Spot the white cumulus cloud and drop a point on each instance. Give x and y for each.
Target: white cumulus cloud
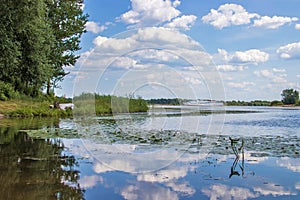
(227, 15)
(289, 51)
(231, 68)
(94, 27)
(153, 37)
(154, 54)
(150, 12)
(184, 22)
(273, 22)
(241, 85)
(275, 75)
(278, 70)
(114, 44)
(165, 36)
(176, 3)
(153, 50)
(233, 14)
(192, 80)
(297, 26)
(253, 56)
(125, 62)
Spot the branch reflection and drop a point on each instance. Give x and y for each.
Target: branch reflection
(237, 150)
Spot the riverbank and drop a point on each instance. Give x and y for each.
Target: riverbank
(44, 106)
(30, 108)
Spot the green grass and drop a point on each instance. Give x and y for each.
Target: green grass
(30, 108)
(87, 104)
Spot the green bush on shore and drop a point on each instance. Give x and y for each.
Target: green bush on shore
(7, 91)
(276, 103)
(87, 104)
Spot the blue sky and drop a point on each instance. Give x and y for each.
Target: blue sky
(242, 50)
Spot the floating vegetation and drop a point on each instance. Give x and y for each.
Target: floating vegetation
(257, 146)
(51, 133)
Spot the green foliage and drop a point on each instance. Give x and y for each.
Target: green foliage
(38, 38)
(276, 103)
(89, 104)
(290, 96)
(24, 106)
(67, 22)
(163, 101)
(245, 103)
(6, 91)
(138, 105)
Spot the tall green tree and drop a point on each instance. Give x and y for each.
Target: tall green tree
(9, 45)
(68, 21)
(35, 38)
(290, 96)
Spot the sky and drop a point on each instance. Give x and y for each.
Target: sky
(194, 49)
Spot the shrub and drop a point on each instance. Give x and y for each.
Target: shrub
(6, 91)
(276, 103)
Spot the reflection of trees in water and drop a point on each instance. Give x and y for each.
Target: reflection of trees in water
(36, 169)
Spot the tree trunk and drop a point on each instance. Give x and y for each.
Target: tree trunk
(48, 86)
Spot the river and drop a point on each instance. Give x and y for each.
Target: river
(171, 152)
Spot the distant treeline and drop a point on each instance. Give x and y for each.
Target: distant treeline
(163, 101)
(176, 101)
(254, 103)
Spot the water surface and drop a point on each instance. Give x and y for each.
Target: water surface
(168, 153)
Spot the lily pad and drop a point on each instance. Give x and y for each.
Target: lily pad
(50, 133)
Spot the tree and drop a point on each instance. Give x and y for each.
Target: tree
(24, 45)
(290, 96)
(9, 46)
(37, 39)
(68, 24)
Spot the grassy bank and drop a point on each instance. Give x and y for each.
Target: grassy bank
(31, 107)
(101, 105)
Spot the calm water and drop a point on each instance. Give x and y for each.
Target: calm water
(168, 153)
